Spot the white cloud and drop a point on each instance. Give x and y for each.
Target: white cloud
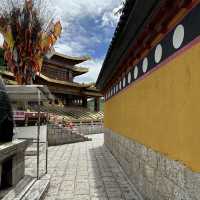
(74, 8)
(109, 18)
(71, 48)
(62, 48)
(71, 13)
(76, 39)
(94, 69)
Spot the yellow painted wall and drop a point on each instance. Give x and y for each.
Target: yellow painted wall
(162, 111)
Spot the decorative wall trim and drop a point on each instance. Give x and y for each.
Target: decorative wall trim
(182, 37)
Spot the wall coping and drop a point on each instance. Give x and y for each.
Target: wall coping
(12, 148)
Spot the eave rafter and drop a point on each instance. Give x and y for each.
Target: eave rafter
(159, 23)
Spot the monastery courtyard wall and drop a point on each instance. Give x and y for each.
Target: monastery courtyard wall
(152, 116)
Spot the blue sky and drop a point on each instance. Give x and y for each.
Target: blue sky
(88, 27)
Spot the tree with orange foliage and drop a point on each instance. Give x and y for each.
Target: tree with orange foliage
(29, 33)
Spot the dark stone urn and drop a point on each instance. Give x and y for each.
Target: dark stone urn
(6, 116)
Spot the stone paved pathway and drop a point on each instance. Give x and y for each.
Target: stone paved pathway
(87, 171)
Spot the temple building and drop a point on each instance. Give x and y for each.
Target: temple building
(58, 73)
(150, 80)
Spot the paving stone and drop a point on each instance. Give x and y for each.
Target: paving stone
(85, 171)
(82, 197)
(64, 196)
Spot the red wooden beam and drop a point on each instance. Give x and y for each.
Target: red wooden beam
(158, 24)
(188, 4)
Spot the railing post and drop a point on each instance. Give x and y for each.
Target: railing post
(38, 137)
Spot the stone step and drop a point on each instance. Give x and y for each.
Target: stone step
(37, 191)
(18, 191)
(27, 189)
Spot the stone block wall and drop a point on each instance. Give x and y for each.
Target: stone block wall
(58, 136)
(0, 174)
(18, 167)
(155, 176)
(90, 129)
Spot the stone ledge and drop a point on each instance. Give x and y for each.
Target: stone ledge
(28, 189)
(58, 136)
(11, 148)
(37, 191)
(18, 191)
